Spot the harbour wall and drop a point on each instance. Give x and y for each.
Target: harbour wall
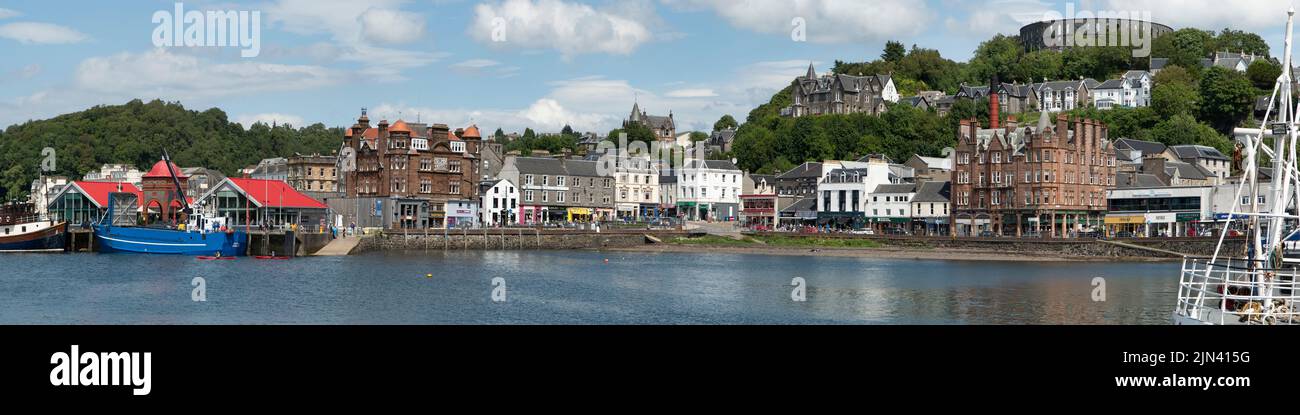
(507, 239)
(1095, 248)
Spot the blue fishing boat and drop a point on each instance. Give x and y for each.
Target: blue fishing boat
(198, 235)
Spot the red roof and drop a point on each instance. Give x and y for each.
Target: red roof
(275, 193)
(472, 132)
(160, 170)
(400, 127)
(98, 191)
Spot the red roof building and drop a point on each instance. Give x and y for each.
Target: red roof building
(260, 201)
(85, 202)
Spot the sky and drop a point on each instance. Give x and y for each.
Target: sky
(506, 64)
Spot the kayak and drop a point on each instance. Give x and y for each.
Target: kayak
(210, 258)
(270, 257)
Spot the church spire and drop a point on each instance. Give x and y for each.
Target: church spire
(812, 73)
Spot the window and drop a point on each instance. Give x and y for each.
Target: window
(528, 195)
(559, 197)
(559, 180)
(454, 188)
(528, 180)
(546, 181)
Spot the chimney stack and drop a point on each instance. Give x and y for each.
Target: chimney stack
(993, 102)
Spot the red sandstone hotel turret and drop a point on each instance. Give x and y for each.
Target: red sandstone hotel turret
(1048, 179)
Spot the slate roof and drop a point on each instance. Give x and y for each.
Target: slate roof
(895, 188)
(933, 192)
(1188, 152)
(1146, 147)
(808, 203)
(1137, 180)
(539, 165)
(809, 169)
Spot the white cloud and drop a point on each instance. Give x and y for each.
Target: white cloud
(474, 64)
(41, 33)
(7, 13)
(158, 73)
(25, 72)
(1210, 14)
(827, 21)
(165, 74)
(570, 28)
(391, 26)
(355, 33)
(692, 93)
(269, 118)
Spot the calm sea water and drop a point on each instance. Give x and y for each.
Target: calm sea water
(563, 287)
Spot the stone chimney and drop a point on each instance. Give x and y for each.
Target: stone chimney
(1155, 165)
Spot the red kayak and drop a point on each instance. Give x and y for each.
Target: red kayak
(270, 257)
(210, 258)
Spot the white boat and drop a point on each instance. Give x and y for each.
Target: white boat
(1255, 284)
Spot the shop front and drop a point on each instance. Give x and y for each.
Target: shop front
(578, 215)
(841, 220)
(1129, 224)
(930, 226)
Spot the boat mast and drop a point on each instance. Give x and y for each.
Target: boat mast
(1284, 153)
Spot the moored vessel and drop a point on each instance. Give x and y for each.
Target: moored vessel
(23, 230)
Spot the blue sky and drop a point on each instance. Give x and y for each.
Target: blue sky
(578, 62)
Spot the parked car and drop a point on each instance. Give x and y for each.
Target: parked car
(1124, 234)
(863, 232)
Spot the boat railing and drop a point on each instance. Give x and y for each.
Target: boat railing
(1237, 291)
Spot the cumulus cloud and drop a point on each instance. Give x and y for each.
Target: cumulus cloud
(41, 33)
(158, 73)
(161, 73)
(270, 118)
(7, 13)
(357, 33)
(692, 93)
(1210, 14)
(827, 21)
(391, 26)
(570, 28)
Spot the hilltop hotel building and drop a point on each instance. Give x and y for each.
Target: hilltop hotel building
(1049, 180)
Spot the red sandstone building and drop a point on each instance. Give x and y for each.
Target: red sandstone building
(1047, 180)
(421, 167)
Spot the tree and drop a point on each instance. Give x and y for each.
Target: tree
(894, 52)
(499, 135)
(567, 130)
(1185, 47)
(1175, 98)
(1227, 98)
(725, 122)
(1184, 129)
(1263, 74)
(1174, 74)
(697, 136)
(1239, 41)
(997, 56)
(1038, 66)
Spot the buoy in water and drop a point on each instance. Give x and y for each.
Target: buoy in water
(606, 260)
(428, 275)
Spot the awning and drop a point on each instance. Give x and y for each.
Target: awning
(579, 211)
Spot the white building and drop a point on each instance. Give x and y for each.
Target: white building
(1162, 210)
(1133, 90)
(636, 189)
(462, 213)
(499, 203)
(930, 208)
(890, 205)
(843, 193)
(43, 189)
(116, 173)
(709, 190)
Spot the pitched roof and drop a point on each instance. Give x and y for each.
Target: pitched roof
(539, 165)
(471, 132)
(1159, 63)
(933, 192)
(98, 191)
(808, 169)
(895, 188)
(935, 162)
(1146, 147)
(1111, 84)
(1137, 180)
(1192, 152)
(1187, 170)
(399, 127)
(272, 193)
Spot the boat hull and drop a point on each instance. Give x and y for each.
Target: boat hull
(44, 239)
(168, 241)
